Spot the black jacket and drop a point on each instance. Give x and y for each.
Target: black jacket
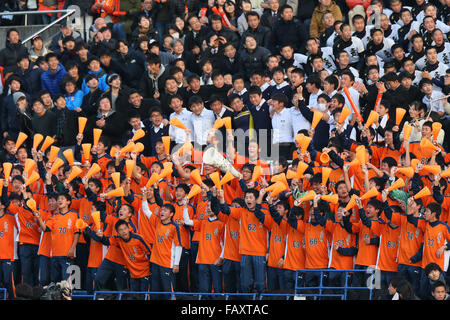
(113, 128)
(255, 60)
(9, 55)
(261, 34)
(150, 84)
(288, 32)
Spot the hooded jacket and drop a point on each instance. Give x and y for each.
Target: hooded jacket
(52, 81)
(151, 84)
(9, 55)
(317, 26)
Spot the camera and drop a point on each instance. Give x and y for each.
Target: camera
(56, 291)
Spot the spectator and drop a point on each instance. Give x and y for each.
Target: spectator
(288, 30)
(51, 79)
(317, 26)
(43, 121)
(152, 81)
(65, 30)
(12, 51)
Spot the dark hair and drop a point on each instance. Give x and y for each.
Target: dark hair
(438, 284)
(377, 204)
(281, 97)
(169, 206)
(405, 291)
(50, 55)
(119, 223)
(252, 191)
(432, 266)
(183, 186)
(435, 208)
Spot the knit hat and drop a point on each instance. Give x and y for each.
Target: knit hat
(17, 96)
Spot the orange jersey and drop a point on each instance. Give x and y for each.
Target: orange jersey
(231, 237)
(84, 207)
(340, 239)
(379, 153)
(229, 190)
(167, 237)
(355, 173)
(367, 253)
(445, 205)
(199, 215)
(136, 253)
(184, 230)
(277, 243)
(421, 153)
(146, 229)
(114, 253)
(45, 243)
(8, 234)
(316, 245)
(102, 161)
(29, 231)
(294, 255)
(389, 244)
(336, 175)
(436, 235)
(63, 229)
(210, 245)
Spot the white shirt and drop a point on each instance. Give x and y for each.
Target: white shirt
(355, 96)
(299, 122)
(201, 125)
(179, 135)
(313, 98)
(156, 129)
(436, 106)
(282, 127)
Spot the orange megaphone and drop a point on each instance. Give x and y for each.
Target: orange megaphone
(168, 165)
(47, 143)
(308, 196)
(165, 173)
(325, 175)
(226, 178)
(370, 194)
(96, 133)
(373, 116)
(399, 183)
(227, 122)
(274, 185)
(196, 177)
(333, 198)
(21, 139)
(195, 190)
(113, 151)
(1, 186)
(154, 178)
(86, 150)
(29, 164)
(129, 165)
(291, 175)
(218, 123)
(93, 170)
(436, 129)
(407, 129)
(399, 114)
(303, 142)
(53, 153)
(324, 158)
(96, 217)
(138, 135)
(278, 188)
(115, 176)
(280, 177)
(166, 142)
(355, 162)
(80, 224)
(256, 173)
(215, 177)
(81, 124)
(361, 155)
(351, 203)
(68, 154)
(445, 173)
(414, 163)
(139, 147)
(7, 167)
(407, 171)
(422, 193)
(344, 114)
(76, 171)
(177, 123)
(31, 203)
(317, 116)
(301, 168)
(37, 139)
(427, 144)
(186, 147)
(119, 192)
(56, 165)
(33, 178)
(434, 169)
(128, 148)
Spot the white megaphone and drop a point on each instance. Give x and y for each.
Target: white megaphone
(213, 158)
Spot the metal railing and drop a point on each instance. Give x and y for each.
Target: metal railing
(66, 14)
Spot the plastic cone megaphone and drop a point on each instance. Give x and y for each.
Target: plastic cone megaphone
(21, 139)
(227, 123)
(128, 148)
(301, 168)
(68, 154)
(56, 165)
(351, 203)
(218, 123)
(361, 155)
(139, 147)
(195, 190)
(373, 116)
(138, 135)
(282, 178)
(31, 203)
(308, 196)
(275, 185)
(81, 124)
(414, 163)
(317, 116)
(47, 143)
(96, 133)
(344, 114)
(399, 114)
(355, 162)
(166, 172)
(407, 129)
(1, 186)
(32, 178)
(154, 178)
(370, 194)
(434, 169)
(53, 153)
(407, 171)
(436, 129)
(422, 193)
(196, 177)
(7, 167)
(291, 175)
(37, 139)
(80, 224)
(76, 171)
(187, 146)
(86, 150)
(96, 217)
(93, 170)
(119, 192)
(256, 173)
(399, 183)
(129, 166)
(113, 151)
(332, 198)
(325, 175)
(29, 164)
(167, 165)
(215, 177)
(177, 123)
(115, 176)
(226, 178)
(445, 173)
(427, 144)
(278, 188)
(303, 141)
(166, 142)
(324, 158)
